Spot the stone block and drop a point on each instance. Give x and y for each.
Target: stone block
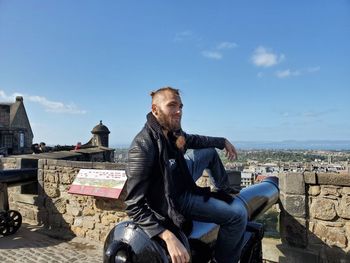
(40, 175)
(22, 198)
(78, 221)
(62, 163)
(41, 163)
(294, 205)
(323, 209)
(336, 237)
(333, 179)
(310, 178)
(50, 177)
(344, 207)
(108, 166)
(79, 231)
(347, 229)
(18, 163)
(73, 210)
(51, 190)
(108, 219)
(338, 224)
(52, 162)
(88, 211)
(83, 165)
(330, 191)
(60, 205)
(88, 223)
(314, 190)
(292, 183)
(345, 191)
(67, 178)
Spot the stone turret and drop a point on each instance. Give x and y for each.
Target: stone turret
(100, 135)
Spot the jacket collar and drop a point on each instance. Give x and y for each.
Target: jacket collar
(154, 124)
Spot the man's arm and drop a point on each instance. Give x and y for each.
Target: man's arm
(176, 249)
(140, 162)
(199, 141)
(194, 141)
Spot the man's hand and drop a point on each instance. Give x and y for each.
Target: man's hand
(176, 249)
(231, 152)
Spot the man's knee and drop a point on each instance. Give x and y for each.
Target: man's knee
(239, 216)
(206, 153)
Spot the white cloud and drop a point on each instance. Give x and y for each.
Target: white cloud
(263, 57)
(217, 52)
(212, 54)
(287, 73)
(226, 45)
(7, 98)
(50, 106)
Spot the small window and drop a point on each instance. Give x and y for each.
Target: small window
(21, 140)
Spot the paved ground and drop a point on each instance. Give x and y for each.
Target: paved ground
(30, 245)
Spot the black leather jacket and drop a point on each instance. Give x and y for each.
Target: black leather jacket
(148, 201)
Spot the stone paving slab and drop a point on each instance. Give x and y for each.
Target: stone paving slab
(30, 245)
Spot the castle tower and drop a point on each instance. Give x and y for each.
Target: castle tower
(100, 135)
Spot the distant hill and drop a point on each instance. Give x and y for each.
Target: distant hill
(296, 145)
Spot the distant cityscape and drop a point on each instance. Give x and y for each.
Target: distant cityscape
(336, 145)
(256, 164)
(279, 160)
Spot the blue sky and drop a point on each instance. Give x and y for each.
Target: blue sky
(248, 70)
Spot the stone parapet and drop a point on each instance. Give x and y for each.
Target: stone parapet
(64, 214)
(315, 214)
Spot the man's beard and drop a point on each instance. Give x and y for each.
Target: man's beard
(166, 123)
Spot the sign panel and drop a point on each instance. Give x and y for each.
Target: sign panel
(104, 183)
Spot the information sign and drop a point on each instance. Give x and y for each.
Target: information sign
(104, 183)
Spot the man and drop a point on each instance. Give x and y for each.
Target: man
(162, 197)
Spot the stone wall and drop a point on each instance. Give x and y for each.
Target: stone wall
(9, 163)
(315, 214)
(314, 218)
(65, 215)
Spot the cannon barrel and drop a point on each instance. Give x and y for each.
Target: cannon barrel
(260, 197)
(129, 243)
(14, 177)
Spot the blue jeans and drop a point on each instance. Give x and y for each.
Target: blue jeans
(232, 218)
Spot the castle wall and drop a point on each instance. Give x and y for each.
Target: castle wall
(314, 218)
(63, 214)
(315, 214)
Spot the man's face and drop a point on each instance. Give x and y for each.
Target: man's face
(168, 110)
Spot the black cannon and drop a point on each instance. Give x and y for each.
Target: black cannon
(11, 220)
(127, 242)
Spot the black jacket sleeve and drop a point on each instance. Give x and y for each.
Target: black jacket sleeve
(199, 141)
(141, 157)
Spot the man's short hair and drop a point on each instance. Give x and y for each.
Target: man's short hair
(167, 88)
